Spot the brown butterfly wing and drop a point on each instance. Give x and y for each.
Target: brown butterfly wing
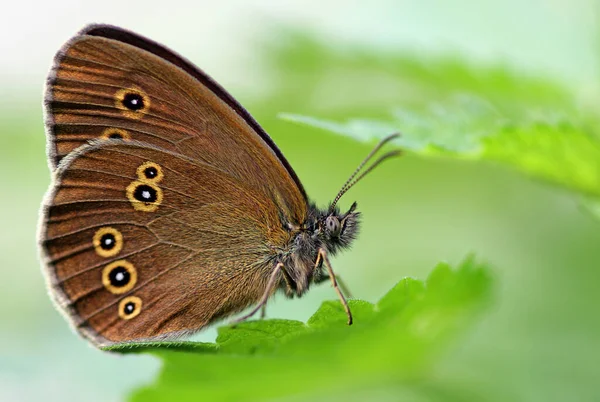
(198, 249)
(110, 83)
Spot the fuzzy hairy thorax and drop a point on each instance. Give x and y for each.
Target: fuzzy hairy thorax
(300, 269)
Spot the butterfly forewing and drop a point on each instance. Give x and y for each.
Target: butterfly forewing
(105, 84)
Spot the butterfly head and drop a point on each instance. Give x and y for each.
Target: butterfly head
(338, 229)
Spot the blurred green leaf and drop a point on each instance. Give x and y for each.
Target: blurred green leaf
(342, 79)
(389, 343)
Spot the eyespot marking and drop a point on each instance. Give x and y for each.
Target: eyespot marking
(132, 102)
(119, 276)
(115, 133)
(107, 241)
(150, 172)
(144, 196)
(130, 307)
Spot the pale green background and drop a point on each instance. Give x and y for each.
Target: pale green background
(541, 338)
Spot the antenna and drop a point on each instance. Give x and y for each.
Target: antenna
(353, 179)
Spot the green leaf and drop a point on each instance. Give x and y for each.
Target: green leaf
(390, 342)
(564, 153)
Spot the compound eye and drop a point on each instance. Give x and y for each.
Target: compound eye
(333, 226)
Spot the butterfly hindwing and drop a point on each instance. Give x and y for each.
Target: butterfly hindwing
(143, 243)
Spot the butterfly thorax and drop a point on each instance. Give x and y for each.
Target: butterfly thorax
(324, 229)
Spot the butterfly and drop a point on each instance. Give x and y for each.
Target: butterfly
(170, 207)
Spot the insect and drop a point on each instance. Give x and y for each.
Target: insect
(170, 207)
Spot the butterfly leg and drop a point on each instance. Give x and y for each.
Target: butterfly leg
(263, 311)
(341, 283)
(323, 256)
(344, 287)
(273, 280)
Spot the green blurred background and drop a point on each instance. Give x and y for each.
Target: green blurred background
(540, 340)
